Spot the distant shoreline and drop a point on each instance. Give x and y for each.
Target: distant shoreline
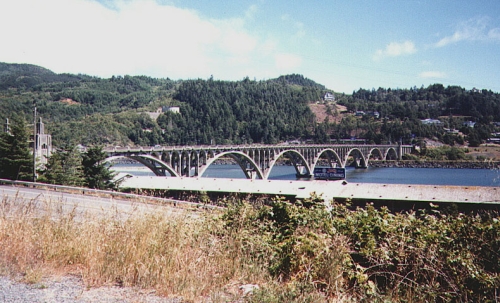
(436, 164)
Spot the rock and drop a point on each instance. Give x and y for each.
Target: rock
(248, 289)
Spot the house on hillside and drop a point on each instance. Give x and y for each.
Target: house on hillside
(431, 122)
(373, 114)
(329, 97)
(164, 109)
(469, 123)
(173, 109)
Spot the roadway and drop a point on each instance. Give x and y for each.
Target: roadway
(330, 190)
(82, 204)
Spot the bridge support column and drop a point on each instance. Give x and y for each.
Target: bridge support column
(186, 164)
(197, 163)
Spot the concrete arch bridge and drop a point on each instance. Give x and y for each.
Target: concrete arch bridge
(256, 161)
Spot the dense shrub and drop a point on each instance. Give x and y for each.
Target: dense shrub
(371, 254)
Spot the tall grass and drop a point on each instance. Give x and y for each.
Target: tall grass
(174, 254)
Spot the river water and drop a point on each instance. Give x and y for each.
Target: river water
(430, 176)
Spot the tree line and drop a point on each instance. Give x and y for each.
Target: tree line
(66, 166)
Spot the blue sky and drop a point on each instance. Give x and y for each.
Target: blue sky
(344, 45)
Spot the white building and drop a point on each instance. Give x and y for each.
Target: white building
(173, 109)
(431, 121)
(469, 123)
(329, 97)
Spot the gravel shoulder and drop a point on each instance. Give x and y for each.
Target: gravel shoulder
(71, 289)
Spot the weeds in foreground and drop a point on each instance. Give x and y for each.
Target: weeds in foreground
(299, 252)
(174, 254)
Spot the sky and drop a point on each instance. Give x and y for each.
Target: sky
(344, 45)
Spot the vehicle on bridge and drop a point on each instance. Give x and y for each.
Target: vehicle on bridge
(329, 173)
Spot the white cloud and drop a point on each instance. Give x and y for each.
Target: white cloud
(395, 49)
(132, 37)
(494, 34)
(433, 75)
(472, 30)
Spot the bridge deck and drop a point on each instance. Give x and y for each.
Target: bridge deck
(328, 189)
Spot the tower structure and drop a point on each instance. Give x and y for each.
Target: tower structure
(6, 127)
(43, 143)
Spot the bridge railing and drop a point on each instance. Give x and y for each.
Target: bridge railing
(105, 193)
(240, 147)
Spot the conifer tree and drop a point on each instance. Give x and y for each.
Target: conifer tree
(97, 173)
(16, 161)
(64, 168)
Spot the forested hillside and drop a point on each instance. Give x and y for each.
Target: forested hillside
(401, 112)
(239, 112)
(80, 109)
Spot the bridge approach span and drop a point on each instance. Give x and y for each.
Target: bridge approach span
(256, 161)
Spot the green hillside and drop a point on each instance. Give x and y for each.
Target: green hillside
(117, 111)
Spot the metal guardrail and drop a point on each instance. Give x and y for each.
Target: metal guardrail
(99, 192)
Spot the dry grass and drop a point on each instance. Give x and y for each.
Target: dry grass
(487, 151)
(320, 112)
(177, 256)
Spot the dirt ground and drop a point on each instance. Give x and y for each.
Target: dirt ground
(489, 151)
(319, 111)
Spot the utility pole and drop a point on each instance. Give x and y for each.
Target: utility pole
(34, 141)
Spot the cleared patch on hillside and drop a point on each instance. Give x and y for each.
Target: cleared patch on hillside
(68, 101)
(487, 151)
(337, 112)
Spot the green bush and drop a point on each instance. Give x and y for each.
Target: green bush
(446, 153)
(296, 242)
(427, 257)
(315, 253)
(410, 157)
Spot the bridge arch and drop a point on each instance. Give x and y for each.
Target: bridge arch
(297, 160)
(157, 166)
(375, 154)
(359, 158)
(332, 156)
(246, 164)
(156, 155)
(391, 154)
